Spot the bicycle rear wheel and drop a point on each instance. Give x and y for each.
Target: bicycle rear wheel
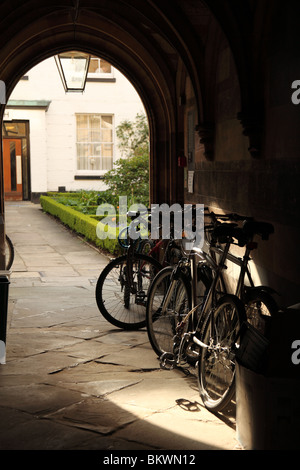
(260, 306)
(163, 316)
(121, 303)
(9, 252)
(216, 367)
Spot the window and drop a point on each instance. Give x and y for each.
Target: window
(100, 68)
(94, 142)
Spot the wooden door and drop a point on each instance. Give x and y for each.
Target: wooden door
(12, 169)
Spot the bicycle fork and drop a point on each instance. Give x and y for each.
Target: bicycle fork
(174, 277)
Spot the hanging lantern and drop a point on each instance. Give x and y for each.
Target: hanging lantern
(73, 68)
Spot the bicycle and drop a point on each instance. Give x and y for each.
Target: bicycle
(259, 300)
(166, 251)
(122, 287)
(181, 331)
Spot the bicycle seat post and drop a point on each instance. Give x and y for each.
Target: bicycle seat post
(194, 278)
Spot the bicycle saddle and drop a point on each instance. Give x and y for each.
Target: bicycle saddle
(264, 229)
(223, 233)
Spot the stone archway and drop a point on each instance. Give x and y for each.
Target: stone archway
(186, 57)
(128, 46)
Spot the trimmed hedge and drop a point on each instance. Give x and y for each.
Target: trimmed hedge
(83, 224)
(65, 194)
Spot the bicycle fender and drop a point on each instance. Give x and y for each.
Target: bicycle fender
(267, 289)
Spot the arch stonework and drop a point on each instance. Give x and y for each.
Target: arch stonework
(211, 75)
(150, 43)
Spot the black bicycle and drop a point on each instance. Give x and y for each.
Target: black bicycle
(259, 300)
(123, 285)
(184, 328)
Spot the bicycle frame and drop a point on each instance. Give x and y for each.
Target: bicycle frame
(218, 267)
(134, 246)
(200, 256)
(241, 262)
(209, 300)
(131, 249)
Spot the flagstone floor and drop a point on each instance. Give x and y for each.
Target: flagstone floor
(72, 380)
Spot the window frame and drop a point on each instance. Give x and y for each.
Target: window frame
(91, 172)
(101, 76)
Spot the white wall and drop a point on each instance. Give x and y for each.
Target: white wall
(53, 131)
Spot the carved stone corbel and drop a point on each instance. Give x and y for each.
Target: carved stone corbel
(253, 130)
(206, 132)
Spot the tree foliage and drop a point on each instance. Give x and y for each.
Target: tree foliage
(133, 136)
(130, 175)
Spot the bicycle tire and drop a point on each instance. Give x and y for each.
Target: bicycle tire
(216, 368)
(260, 306)
(9, 253)
(161, 327)
(114, 297)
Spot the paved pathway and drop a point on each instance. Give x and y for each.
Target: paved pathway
(72, 380)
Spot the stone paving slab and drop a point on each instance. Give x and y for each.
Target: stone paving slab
(71, 380)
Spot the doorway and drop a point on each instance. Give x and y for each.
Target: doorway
(16, 170)
(12, 169)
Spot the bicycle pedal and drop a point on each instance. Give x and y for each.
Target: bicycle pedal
(140, 297)
(167, 361)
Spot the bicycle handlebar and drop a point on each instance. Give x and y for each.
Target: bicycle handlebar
(231, 216)
(224, 232)
(135, 214)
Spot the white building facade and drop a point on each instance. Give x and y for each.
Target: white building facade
(56, 141)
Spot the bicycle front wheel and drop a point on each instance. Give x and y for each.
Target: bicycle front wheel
(121, 302)
(216, 367)
(168, 303)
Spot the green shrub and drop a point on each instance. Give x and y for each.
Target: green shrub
(85, 201)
